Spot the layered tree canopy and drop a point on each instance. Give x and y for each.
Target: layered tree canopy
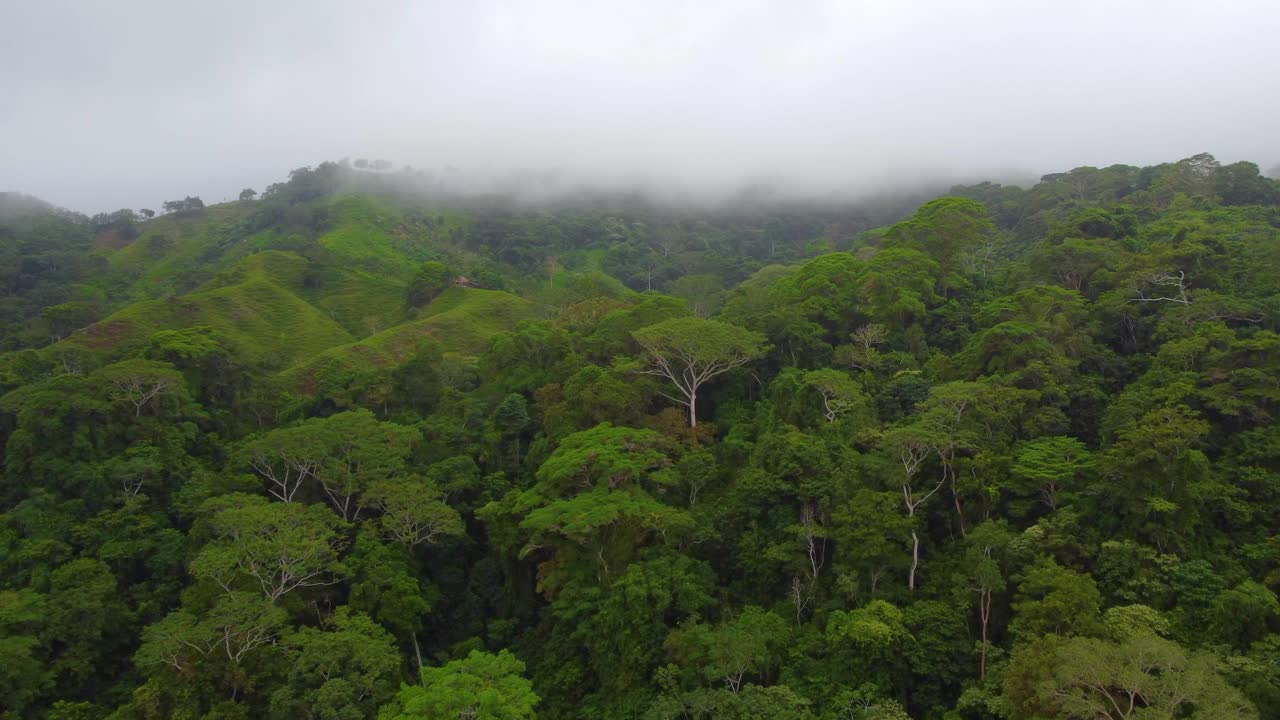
(355, 448)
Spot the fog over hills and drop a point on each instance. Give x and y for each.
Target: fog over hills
(126, 104)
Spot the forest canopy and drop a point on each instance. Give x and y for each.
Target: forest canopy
(354, 448)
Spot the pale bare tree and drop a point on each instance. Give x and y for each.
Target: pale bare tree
(862, 353)
(141, 388)
(1174, 285)
(912, 452)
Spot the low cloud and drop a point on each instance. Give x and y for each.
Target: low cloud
(109, 104)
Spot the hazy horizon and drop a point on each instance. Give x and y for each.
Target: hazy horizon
(128, 105)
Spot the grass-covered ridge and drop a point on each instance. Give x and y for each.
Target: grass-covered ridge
(173, 253)
(381, 234)
(259, 313)
(461, 320)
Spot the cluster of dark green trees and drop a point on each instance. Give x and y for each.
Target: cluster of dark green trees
(1012, 457)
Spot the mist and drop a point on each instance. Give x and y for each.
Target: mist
(110, 105)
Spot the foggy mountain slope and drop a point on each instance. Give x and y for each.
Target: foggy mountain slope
(352, 239)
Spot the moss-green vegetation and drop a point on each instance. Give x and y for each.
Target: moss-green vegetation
(460, 321)
(257, 305)
(381, 235)
(176, 253)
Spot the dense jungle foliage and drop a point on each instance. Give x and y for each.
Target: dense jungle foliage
(359, 448)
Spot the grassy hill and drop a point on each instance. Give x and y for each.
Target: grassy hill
(461, 320)
(382, 235)
(282, 286)
(175, 253)
(316, 270)
(258, 312)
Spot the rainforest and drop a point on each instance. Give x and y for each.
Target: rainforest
(359, 447)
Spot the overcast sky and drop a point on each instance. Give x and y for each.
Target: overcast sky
(128, 103)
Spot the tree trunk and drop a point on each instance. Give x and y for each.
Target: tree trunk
(416, 650)
(693, 404)
(985, 609)
(915, 560)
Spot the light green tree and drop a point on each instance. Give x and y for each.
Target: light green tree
(839, 393)
(481, 686)
(274, 547)
(413, 511)
(689, 352)
(1051, 465)
(1142, 677)
(986, 546)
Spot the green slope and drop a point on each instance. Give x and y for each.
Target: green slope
(256, 310)
(379, 235)
(177, 253)
(362, 301)
(459, 321)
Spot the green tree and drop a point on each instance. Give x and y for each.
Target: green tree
(956, 232)
(1054, 599)
(142, 383)
(481, 686)
(897, 286)
(910, 447)
(86, 617)
(623, 627)
(729, 652)
(872, 538)
(869, 643)
(593, 507)
(839, 394)
(1128, 621)
(987, 544)
(689, 352)
(25, 674)
(412, 510)
(431, 279)
(1245, 613)
(359, 451)
(703, 291)
(343, 455)
(275, 548)
(753, 702)
(1050, 466)
(237, 624)
(385, 584)
(1142, 677)
(345, 671)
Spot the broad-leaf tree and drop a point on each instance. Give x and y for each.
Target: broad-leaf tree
(689, 352)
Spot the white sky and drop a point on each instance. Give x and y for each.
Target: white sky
(128, 103)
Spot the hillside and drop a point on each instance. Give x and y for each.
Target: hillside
(362, 448)
(460, 321)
